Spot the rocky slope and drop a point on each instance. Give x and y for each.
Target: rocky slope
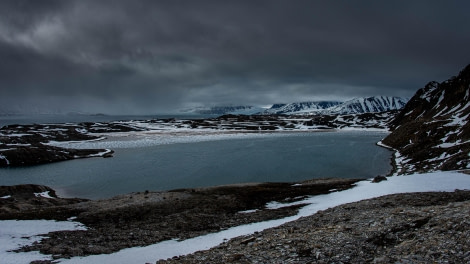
(399, 228)
(432, 131)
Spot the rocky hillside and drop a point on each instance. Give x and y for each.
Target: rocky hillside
(432, 131)
(374, 104)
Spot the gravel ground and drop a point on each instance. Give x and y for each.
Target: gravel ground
(400, 228)
(144, 218)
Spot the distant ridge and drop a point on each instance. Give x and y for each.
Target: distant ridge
(223, 110)
(374, 104)
(301, 107)
(432, 131)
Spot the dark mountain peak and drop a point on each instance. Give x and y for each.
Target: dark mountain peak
(437, 100)
(432, 131)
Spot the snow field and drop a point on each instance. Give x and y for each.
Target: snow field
(15, 234)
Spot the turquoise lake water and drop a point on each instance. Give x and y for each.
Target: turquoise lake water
(265, 158)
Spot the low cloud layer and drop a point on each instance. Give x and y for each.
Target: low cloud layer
(135, 57)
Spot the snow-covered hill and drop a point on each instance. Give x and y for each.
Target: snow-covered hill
(302, 107)
(373, 104)
(432, 132)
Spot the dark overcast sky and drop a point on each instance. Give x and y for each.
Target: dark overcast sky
(139, 57)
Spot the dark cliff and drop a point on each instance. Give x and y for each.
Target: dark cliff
(432, 131)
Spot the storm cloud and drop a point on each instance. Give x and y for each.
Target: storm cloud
(140, 56)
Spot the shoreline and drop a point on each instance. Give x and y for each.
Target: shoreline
(158, 216)
(393, 159)
(120, 216)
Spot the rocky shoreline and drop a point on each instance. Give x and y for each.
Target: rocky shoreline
(428, 227)
(145, 218)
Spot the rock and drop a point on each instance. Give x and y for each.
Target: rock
(379, 178)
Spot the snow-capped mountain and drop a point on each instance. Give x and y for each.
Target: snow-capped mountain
(223, 110)
(432, 131)
(374, 104)
(301, 108)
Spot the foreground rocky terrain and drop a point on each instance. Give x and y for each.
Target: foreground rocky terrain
(145, 218)
(430, 227)
(399, 228)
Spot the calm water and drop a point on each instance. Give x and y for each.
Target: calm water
(289, 157)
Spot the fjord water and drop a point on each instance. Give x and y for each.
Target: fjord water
(265, 158)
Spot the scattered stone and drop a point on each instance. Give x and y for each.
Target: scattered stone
(379, 178)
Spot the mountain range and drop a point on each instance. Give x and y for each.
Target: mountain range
(373, 104)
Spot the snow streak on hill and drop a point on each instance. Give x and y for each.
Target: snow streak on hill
(373, 104)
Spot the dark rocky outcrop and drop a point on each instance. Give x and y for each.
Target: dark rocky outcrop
(379, 178)
(25, 145)
(30, 201)
(42, 154)
(432, 131)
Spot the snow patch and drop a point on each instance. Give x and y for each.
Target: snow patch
(16, 234)
(4, 158)
(18, 145)
(44, 194)
(81, 130)
(277, 205)
(16, 134)
(248, 211)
